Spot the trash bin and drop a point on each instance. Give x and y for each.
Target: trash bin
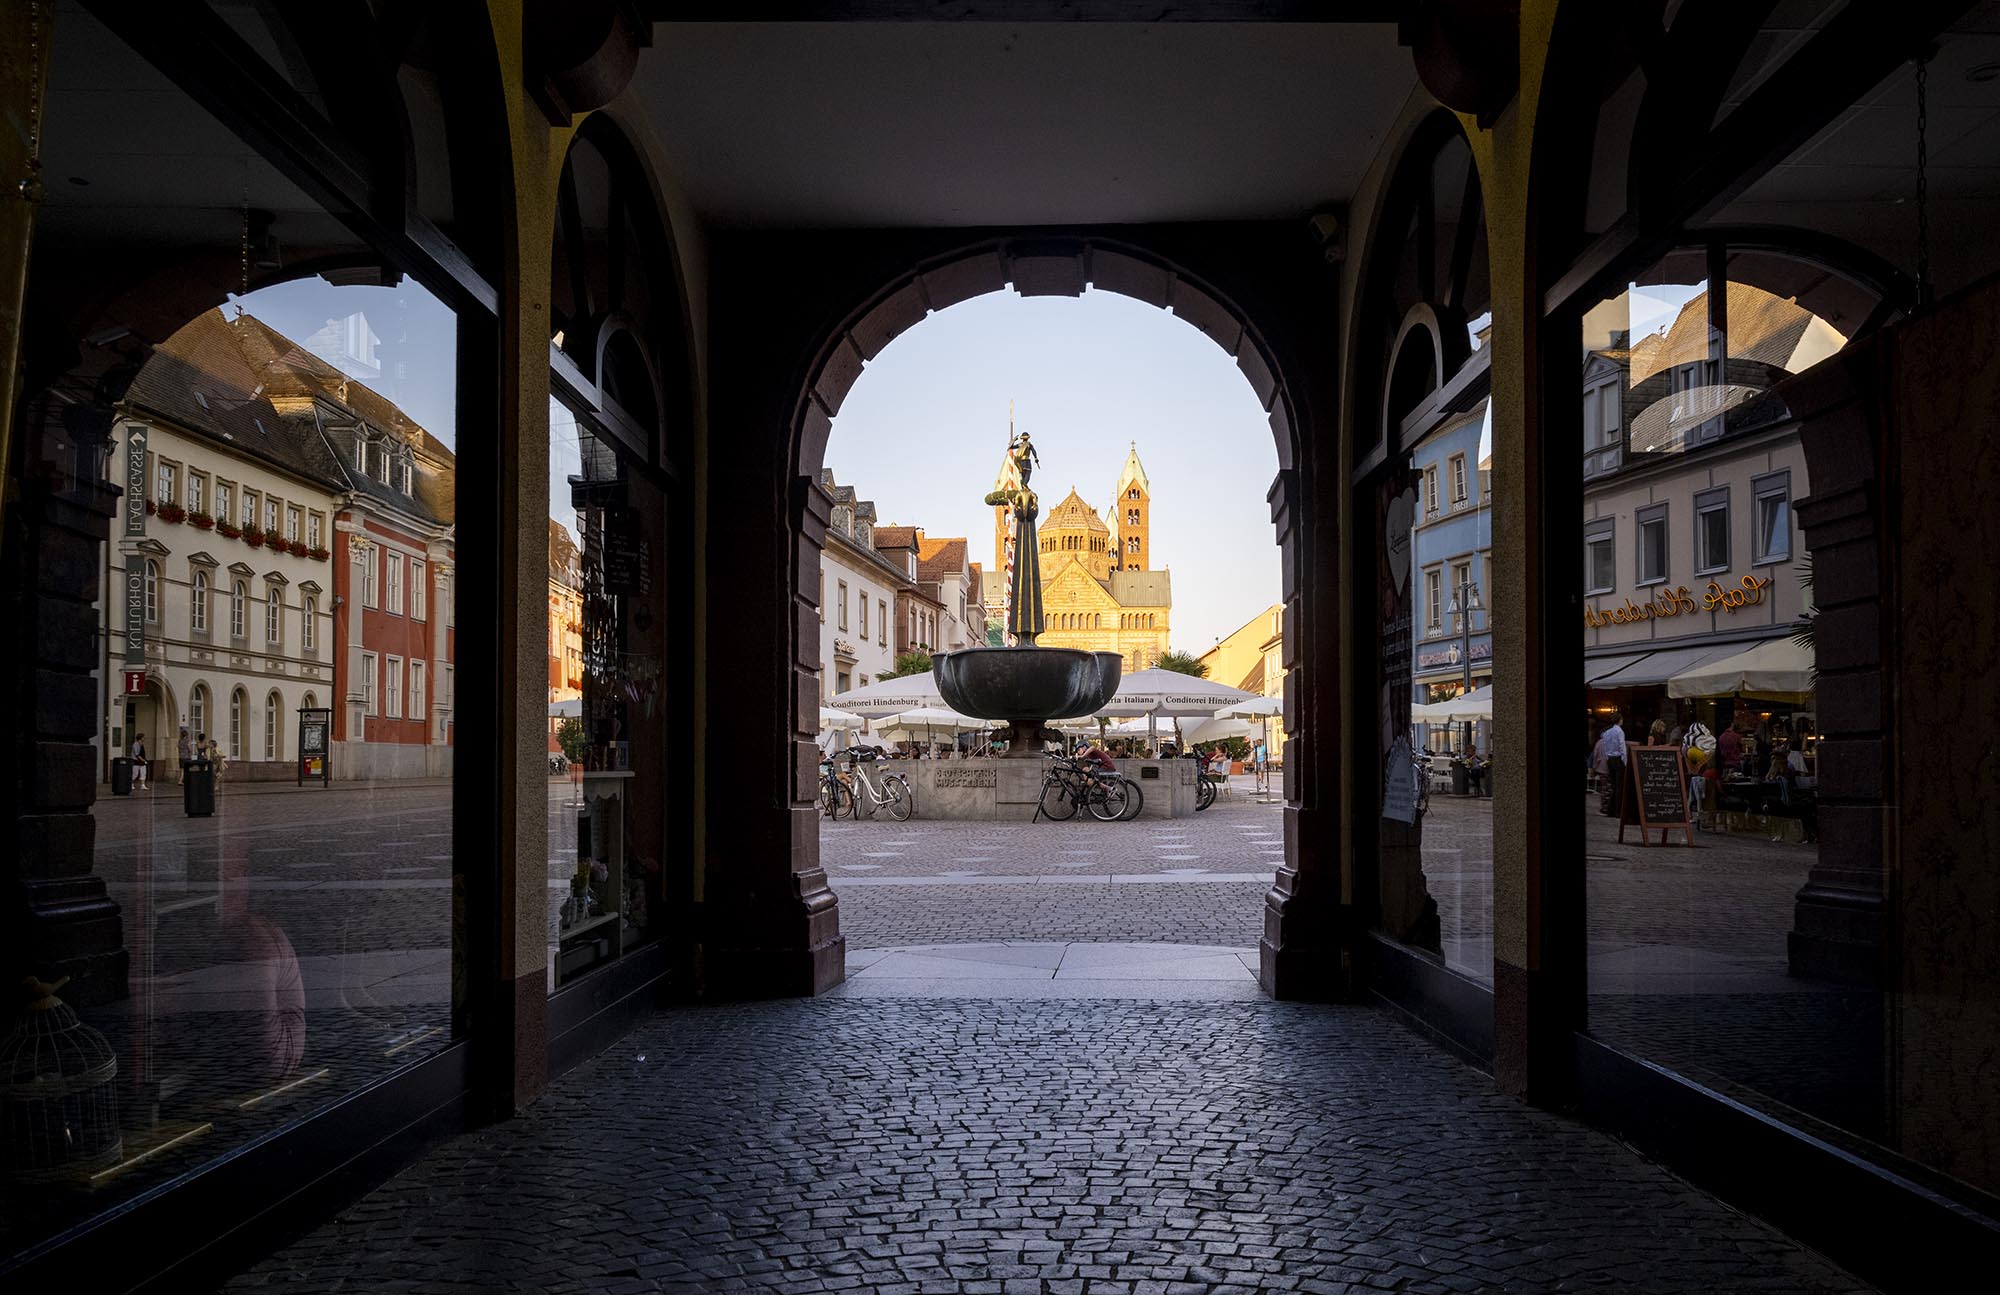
(198, 789)
(121, 776)
(1458, 780)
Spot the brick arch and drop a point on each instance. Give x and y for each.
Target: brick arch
(1034, 268)
(1300, 945)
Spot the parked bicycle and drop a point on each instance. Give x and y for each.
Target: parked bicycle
(844, 792)
(1068, 784)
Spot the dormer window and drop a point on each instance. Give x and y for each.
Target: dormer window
(405, 476)
(361, 454)
(382, 466)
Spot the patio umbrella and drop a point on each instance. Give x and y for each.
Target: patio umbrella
(1477, 704)
(831, 718)
(1168, 694)
(929, 719)
(1773, 668)
(886, 697)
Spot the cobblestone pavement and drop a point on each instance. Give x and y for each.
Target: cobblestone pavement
(897, 1146)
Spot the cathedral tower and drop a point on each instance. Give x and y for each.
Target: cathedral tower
(1131, 519)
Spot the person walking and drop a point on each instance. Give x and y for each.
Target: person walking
(1608, 758)
(138, 754)
(184, 752)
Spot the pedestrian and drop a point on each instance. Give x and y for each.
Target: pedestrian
(184, 752)
(1657, 734)
(1729, 746)
(138, 754)
(1608, 758)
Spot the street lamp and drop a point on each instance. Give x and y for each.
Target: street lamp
(1464, 602)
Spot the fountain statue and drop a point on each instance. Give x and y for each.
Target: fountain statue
(1025, 685)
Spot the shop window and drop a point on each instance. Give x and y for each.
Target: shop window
(1600, 558)
(1651, 548)
(1711, 533)
(1773, 496)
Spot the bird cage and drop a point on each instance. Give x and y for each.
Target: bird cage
(58, 1093)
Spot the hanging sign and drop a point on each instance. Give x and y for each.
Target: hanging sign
(135, 682)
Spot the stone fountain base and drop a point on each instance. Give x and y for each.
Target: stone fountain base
(999, 789)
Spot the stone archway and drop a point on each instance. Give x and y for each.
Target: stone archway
(1268, 323)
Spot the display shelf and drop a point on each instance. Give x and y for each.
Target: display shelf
(599, 938)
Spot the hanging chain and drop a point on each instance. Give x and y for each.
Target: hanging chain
(243, 286)
(30, 185)
(1923, 180)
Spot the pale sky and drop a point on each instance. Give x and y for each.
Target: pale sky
(924, 430)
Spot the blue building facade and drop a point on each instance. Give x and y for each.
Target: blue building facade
(1451, 546)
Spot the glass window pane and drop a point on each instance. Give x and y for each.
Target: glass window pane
(295, 944)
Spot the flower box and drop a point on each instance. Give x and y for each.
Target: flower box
(254, 538)
(229, 530)
(319, 555)
(172, 514)
(299, 548)
(276, 539)
(151, 508)
(201, 521)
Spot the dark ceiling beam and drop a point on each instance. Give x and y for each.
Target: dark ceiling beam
(1024, 11)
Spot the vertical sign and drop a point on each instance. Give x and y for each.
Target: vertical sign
(135, 528)
(313, 752)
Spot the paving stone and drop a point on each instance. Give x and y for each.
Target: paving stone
(1040, 1146)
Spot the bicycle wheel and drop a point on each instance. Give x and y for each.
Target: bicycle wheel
(900, 798)
(1056, 801)
(1135, 800)
(1107, 800)
(1204, 792)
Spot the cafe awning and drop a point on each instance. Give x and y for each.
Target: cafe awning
(1596, 668)
(1656, 668)
(1773, 668)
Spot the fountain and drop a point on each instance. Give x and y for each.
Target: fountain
(1025, 685)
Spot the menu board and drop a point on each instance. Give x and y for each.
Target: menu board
(1655, 793)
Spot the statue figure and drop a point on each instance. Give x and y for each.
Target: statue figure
(1024, 613)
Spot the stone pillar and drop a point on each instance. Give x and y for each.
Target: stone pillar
(1302, 954)
(60, 920)
(1837, 925)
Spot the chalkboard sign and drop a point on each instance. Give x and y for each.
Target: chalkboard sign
(1655, 793)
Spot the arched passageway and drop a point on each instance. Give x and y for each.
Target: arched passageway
(884, 285)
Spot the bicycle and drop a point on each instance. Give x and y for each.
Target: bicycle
(842, 794)
(1066, 784)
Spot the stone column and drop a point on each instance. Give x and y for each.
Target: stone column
(1302, 954)
(60, 920)
(1837, 925)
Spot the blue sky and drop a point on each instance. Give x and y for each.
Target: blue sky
(924, 429)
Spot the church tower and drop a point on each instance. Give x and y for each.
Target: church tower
(1132, 515)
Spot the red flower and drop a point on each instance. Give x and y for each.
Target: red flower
(254, 538)
(172, 514)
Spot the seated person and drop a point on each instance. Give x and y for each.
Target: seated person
(1096, 757)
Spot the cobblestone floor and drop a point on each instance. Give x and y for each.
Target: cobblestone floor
(896, 1146)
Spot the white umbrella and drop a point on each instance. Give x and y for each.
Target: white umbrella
(1773, 668)
(1171, 695)
(928, 719)
(1477, 704)
(1215, 730)
(886, 697)
(1256, 708)
(831, 718)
